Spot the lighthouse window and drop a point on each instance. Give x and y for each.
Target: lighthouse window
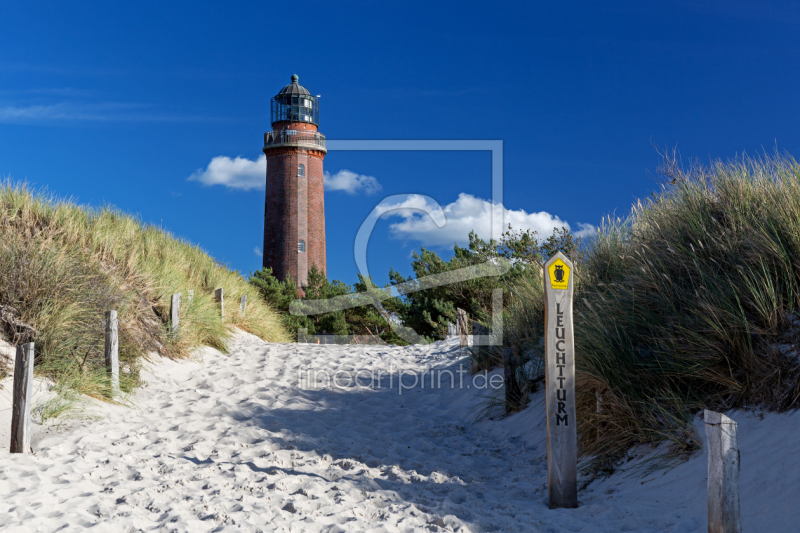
(301, 246)
(301, 170)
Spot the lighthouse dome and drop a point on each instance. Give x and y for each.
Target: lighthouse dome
(294, 88)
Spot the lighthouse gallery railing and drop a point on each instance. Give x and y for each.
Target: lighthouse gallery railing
(297, 138)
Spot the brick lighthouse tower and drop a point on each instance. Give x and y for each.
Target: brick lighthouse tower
(294, 213)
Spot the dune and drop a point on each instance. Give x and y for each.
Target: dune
(248, 442)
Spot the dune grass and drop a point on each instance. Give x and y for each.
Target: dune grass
(62, 266)
(690, 302)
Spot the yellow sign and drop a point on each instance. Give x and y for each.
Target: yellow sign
(559, 275)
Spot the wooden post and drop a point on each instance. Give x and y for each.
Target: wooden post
(243, 304)
(23, 393)
(173, 312)
(513, 392)
(562, 437)
(463, 332)
(221, 301)
(191, 296)
(452, 331)
(724, 512)
(112, 350)
(462, 327)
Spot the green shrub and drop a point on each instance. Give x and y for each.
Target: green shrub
(362, 320)
(501, 264)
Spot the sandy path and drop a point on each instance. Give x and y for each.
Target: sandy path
(239, 443)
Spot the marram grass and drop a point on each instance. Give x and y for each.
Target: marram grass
(62, 266)
(693, 301)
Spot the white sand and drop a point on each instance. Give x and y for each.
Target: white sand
(233, 443)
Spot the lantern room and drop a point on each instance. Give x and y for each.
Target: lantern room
(295, 104)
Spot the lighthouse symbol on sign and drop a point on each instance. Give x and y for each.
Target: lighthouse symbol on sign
(294, 208)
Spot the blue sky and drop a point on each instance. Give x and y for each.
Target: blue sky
(123, 103)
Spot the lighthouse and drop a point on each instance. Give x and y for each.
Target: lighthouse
(294, 209)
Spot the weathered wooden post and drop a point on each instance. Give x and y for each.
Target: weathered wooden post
(112, 350)
(562, 437)
(23, 392)
(221, 301)
(513, 392)
(191, 296)
(724, 512)
(174, 308)
(462, 327)
(243, 304)
(463, 331)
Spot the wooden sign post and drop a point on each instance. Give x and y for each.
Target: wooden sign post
(562, 437)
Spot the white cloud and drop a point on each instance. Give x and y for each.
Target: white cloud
(97, 111)
(466, 214)
(246, 174)
(258, 252)
(350, 182)
(586, 230)
(237, 173)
